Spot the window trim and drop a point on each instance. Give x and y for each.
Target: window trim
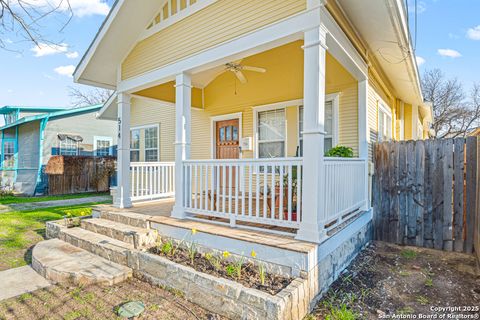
(102, 138)
(2, 154)
(273, 106)
(335, 98)
(143, 127)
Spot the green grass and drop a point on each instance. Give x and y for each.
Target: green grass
(19, 230)
(10, 199)
(409, 254)
(342, 313)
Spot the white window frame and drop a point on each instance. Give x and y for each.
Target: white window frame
(269, 107)
(102, 138)
(77, 148)
(142, 128)
(145, 149)
(383, 108)
(335, 99)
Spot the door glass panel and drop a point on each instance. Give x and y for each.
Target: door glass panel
(229, 133)
(235, 133)
(222, 134)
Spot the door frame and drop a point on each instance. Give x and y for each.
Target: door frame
(213, 137)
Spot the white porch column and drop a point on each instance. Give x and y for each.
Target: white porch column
(364, 134)
(183, 106)
(313, 195)
(122, 199)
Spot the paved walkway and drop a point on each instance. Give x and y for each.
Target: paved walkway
(14, 282)
(51, 203)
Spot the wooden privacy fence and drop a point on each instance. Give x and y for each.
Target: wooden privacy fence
(76, 174)
(426, 193)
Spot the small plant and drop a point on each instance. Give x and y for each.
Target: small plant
(342, 313)
(404, 273)
(422, 300)
(192, 251)
(408, 254)
(231, 270)
(214, 260)
(405, 310)
(167, 247)
(340, 152)
(261, 273)
(429, 282)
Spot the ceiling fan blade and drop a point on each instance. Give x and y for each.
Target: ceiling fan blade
(255, 69)
(240, 76)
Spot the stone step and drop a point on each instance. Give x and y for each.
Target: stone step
(129, 218)
(138, 237)
(62, 262)
(99, 244)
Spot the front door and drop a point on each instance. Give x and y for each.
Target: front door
(227, 139)
(227, 146)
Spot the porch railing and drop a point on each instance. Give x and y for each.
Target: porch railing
(346, 189)
(151, 180)
(266, 192)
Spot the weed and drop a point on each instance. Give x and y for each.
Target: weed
(167, 247)
(405, 310)
(72, 315)
(192, 251)
(153, 307)
(429, 282)
(310, 317)
(24, 297)
(408, 254)
(230, 269)
(422, 300)
(342, 313)
(404, 273)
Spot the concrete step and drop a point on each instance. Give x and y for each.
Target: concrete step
(138, 237)
(62, 262)
(111, 249)
(129, 218)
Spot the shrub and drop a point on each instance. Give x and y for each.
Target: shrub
(340, 152)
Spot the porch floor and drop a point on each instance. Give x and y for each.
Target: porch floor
(159, 212)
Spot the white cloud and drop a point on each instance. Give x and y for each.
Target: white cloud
(80, 8)
(72, 54)
(474, 33)
(449, 53)
(45, 49)
(420, 60)
(65, 70)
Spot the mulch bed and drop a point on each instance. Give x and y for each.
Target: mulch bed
(250, 275)
(390, 281)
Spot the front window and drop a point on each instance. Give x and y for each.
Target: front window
(68, 147)
(8, 154)
(135, 145)
(151, 144)
(384, 124)
(271, 133)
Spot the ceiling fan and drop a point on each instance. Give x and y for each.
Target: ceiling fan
(237, 69)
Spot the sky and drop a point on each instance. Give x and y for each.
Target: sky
(447, 37)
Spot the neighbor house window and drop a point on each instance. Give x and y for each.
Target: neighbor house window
(331, 135)
(271, 133)
(135, 145)
(68, 147)
(384, 123)
(102, 146)
(8, 154)
(151, 144)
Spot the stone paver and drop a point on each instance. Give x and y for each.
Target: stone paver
(14, 282)
(62, 262)
(52, 203)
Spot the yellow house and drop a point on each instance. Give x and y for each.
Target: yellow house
(229, 107)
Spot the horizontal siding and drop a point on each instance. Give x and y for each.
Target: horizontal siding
(214, 25)
(348, 115)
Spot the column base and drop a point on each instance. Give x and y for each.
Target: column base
(123, 203)
(309, 234)
(178, 212)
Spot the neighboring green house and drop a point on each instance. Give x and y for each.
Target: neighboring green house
(31, 135)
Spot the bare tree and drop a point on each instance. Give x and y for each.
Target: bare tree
(88, 97)
(22, 19)
(454, 112)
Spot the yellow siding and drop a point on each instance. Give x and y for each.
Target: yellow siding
(214, 25)
(283, 81)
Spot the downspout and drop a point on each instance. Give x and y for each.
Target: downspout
(43, 124)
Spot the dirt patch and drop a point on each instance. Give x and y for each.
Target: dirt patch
(246, 273)
(13, 258)
(97, 302)
(386, 280)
